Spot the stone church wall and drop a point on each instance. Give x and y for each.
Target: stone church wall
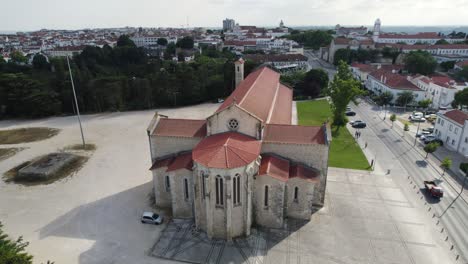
(181, 206)
(161, 195)
(302, 207)
(248, 124)
(272, 215)
(163, 146)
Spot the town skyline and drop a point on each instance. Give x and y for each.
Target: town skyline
(208, 13)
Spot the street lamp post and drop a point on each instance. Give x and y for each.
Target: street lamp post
(76, 104)
(417, 131)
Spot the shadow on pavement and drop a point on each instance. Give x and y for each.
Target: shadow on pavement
(112, 222)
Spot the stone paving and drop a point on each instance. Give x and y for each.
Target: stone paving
(366, 219)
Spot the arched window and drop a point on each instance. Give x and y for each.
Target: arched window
(186, 194)
(203, 188)
(296, 193)
(167, 183)
(236, 189)
(265, 197)
(219, 191)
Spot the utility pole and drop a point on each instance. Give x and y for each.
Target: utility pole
(417, 131)
(76, 103)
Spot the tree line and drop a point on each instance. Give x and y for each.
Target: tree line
(113, 79)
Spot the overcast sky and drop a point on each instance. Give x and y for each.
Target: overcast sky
(68, 14)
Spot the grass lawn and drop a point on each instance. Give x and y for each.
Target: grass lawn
(25, 135)
(344, 151)
(7, 152)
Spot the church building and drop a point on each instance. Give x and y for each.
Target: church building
(244, 165)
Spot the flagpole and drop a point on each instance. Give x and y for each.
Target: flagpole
(76, 103)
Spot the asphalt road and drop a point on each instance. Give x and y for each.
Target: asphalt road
(450, 213)
(315, 63)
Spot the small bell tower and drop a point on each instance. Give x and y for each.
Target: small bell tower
(239, 71)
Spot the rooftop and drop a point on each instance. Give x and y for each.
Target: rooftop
(292, 134)
(283, 170)
(180, 128)
(227, 150)
(457, 116)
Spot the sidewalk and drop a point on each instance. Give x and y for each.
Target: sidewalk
(434, 160)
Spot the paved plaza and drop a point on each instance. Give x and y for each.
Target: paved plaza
(367, 219)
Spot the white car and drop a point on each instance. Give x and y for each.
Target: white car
(355, 121)
(151, 218)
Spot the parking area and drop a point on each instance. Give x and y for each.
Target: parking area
(93, 216)
(366, 219)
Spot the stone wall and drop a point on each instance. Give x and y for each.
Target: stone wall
(227, 221)
(248, 124)
(272, 215)
(163, 146)
(302, 207)
(181, 205)
(161, 195)
(312, 155)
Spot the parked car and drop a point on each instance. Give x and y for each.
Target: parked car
(434, 190)
(429, 129)
(423, 133)
(151, 218)
(417, 117)
(432, 138)
(350, 113)
(352, 122)
(359, 124)
(430, 116)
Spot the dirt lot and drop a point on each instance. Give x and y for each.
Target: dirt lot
(92, 217)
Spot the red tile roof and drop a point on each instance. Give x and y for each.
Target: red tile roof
(227, 150)
(341, 41)
(282, 108)
(291, 134)
(262, 58)
(182, 161)
(283, 170)
(422, 35)
(159, 163)
(180, 128)
(457, 116)
(302, 172)
(362, 67)
(275, 167)
(239, 43)
(256, 94)
(462, 64)
(394, 80)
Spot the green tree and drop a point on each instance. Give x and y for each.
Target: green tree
(425, 103)
(384, 99)
(463, 74)
(162, 41)
(447, 65)
(341, 55)
(314, 82)
(18, 57)
(405, 98)
(185, 43)
(313, 39)
(461, 99)
(405, 128)
(40, 62)
(446, 164)
(430, 148)
(442, 42)
(420, 62)
(393, 119)
(343, 89)
(170, 51)
(125, 41)
(13, 251)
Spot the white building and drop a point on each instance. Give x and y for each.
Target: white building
(452, 128)
(440, 90)
(382, 80)
(228, 24)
